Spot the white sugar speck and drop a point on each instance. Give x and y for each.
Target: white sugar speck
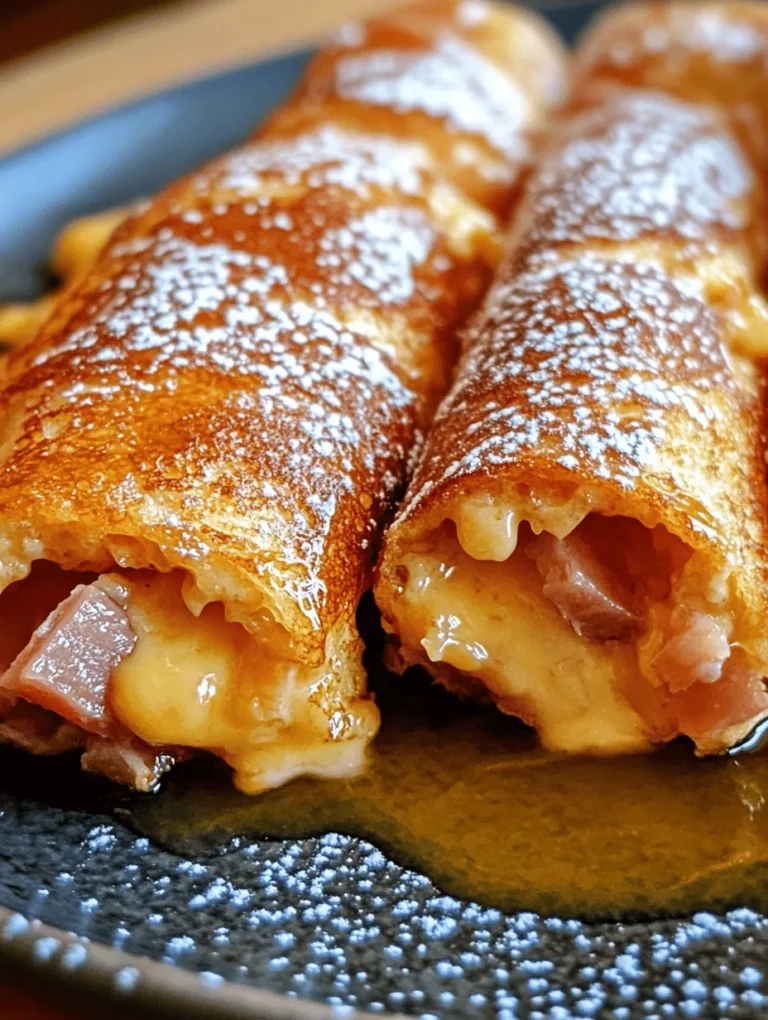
(74, 956)
(452, 80)
(45, 948)
(126, 979)
(211, 979)
(16, 924)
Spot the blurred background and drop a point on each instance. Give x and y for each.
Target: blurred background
(62, 60)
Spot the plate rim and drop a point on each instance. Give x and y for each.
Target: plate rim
(88, 120)
(546, 8)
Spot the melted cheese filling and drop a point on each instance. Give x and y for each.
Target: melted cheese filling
(729, 285)
(197, 680)
(491, 620)
(178, 685)
(206, 682)
(474, 607)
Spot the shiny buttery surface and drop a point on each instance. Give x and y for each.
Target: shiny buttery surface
(468, 798)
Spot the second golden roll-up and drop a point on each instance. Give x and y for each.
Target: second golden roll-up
(585, 539)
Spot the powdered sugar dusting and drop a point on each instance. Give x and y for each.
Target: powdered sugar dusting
(379, 250)
(278, 301)
(255, 356)
(193, 307)
(724, 36)
(452, 81)
(324, 157)
(351, 33)
(470, 13)
(638, 165)
(333, 920)
(582, 363)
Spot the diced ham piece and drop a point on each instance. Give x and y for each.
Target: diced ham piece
(66, 664)
(694, 652)
(53, 696)
(122, 757)
(584, 590)
(705, 711)
(126, 759)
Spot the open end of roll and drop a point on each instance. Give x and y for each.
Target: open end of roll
(609, 638)
(117, 666)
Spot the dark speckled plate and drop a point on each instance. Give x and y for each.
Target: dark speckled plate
(295, 929)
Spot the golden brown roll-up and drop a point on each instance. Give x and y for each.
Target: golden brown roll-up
(456, 75)
(200, 445)
(710, 53)
(585, 537)
(713, 54)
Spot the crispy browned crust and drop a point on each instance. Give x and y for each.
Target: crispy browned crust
(709, 52)
(599, 360)
(234, 387)
(415, 74)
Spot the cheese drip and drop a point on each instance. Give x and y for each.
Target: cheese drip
(204, 682)
(605, 635)
(491, 620)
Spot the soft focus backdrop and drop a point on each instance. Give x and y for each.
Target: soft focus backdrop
(61, 60)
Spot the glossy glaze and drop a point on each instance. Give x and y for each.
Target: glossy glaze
(468, 798)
